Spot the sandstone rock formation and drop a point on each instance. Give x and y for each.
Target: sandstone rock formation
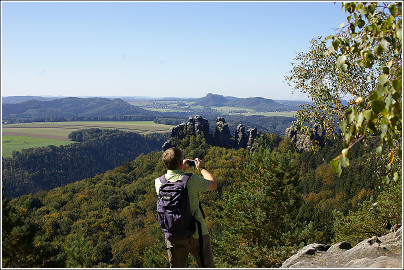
(222, 133)
(243, 140)
(240, 137)
(252, 135)
(304, 142)
(201, 125)
(382, 252)
(222, 137)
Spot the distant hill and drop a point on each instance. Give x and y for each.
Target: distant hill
(71, 107)
(19, 99)
(211, 100)
(259, 104)
(256, 103)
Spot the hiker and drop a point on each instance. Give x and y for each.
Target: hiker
(197, 243)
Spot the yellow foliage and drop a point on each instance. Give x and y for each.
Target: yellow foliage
(104, 226)
(326, 173)
(80, 197)
(363, 193)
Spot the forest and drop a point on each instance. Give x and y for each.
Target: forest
(269, 202)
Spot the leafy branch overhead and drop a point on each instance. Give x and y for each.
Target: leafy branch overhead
(374, 35)
(362, 63)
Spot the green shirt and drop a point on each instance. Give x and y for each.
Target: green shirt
(195, 184)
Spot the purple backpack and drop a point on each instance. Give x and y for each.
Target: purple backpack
(173, 209)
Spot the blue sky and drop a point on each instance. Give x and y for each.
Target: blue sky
(158, 49)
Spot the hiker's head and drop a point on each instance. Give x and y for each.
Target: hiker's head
(172, 158)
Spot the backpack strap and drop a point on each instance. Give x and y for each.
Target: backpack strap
(200, 208)
(201, 256)
(163, 179)
(186, 177)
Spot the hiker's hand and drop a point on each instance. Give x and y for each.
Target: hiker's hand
(184, 165)
(199, 163)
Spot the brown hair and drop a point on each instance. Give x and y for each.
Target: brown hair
(172, 158)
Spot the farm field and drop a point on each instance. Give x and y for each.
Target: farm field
(26, 135)
(12, 143)
(167, 106)
(247, 111)
(187, 106)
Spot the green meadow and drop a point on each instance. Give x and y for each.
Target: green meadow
(12, 143)
(37, 134)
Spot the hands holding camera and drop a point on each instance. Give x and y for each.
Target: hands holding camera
(198, 163)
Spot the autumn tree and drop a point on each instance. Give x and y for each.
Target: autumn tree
(362, 64)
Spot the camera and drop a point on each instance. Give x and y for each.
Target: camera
(191, 162)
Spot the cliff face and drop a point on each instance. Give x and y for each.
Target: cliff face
(222, 133)
(221, 137)
(382, 252)
(304, 142)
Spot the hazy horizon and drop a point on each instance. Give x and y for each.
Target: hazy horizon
(142, 97)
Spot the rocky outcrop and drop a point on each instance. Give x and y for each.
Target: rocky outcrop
(201, 125)
(166, 145)
(375, 252)
(177, 131)
(252, 135)
(240, 138)
(243, 140)
(305, 142)
(194, 126)
(222, 133)
(222, 137)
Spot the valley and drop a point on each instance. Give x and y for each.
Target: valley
(37, 121)
(213, 103)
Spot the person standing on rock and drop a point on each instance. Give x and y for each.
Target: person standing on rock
(198, 242)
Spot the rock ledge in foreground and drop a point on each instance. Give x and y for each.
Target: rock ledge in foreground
(375, 252)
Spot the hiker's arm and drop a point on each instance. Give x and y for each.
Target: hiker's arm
(200, 165)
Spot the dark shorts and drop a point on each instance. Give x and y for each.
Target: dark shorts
(178, 252)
